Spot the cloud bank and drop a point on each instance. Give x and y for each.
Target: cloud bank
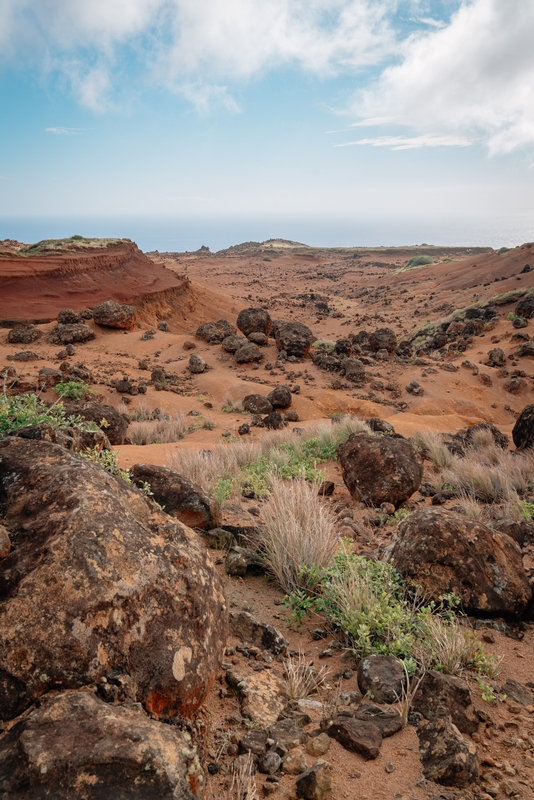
(454, 79)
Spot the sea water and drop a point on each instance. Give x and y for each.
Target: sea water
(182, 233)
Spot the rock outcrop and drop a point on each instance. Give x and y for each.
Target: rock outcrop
(115, 315)
(100, 584)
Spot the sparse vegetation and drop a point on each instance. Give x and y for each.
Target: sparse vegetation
(28, 409)
(74, 390)
(76, 242)
(161, 431)
(301, 677)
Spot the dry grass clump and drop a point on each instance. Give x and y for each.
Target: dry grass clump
(221, 463)
(433, 444)
(162, 431)
(142, 413)
(301, 677)
(299, 532)
(453, 648)
(243, 786)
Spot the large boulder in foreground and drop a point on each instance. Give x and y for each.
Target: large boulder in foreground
(295, 338)
(442, 552)
(180, 497)
(115, 315)
(254, 320)
(75, 745)
(523, 430)
(380, 469)
(100, 583)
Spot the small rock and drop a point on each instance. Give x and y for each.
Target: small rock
(354, 734)
(294, 763)
(270, 763)
(316, 782)
(381, 677)
(318, 746)
(389, 768)
(5, 542)
(254, 742)
(326, 489)
(287, 733)
(518, 692)
(448, 758)
(197, 365)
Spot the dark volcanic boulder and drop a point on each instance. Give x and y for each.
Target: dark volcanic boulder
(354, 370)
(274, 421)
(343, 347)
(115, 315)
(68, 317)
(448, 758)
(233, 343)
(525, 307)
(101, 583)
(248, 353)
(442, 552)
(280, 397)
(67, 334)
(442, 695)
(112, 422)
(180, 497)
(77, 746)
(295, 338)
(257, 404)
(24, 335)
(254, 320)
(523, 430)
(382, 339)
(197, 365)
(526, 350)
(382, 678)
(356, 735)
(380, 469)
(215, 332)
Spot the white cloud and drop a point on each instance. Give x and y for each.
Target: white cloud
(474, 78)
(193, 46)
(411, 142)
(60, 131)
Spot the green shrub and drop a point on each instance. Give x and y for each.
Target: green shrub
(73, 390)
(28, 409)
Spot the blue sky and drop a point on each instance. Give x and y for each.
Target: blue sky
(263, 107)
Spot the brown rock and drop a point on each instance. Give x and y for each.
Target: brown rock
(254, 320)
(441, 552)
(261, 634)
(257, 404)
(387, 720)
(5, 542)
(197, 365)
(67, 334)
(448, 758)
(274, 421)
(114, 315)
(75, 745)
(262, 695)
(248, 353)
(215, 332)
(232, 343)
(294, 338)
(109, 420)
(382, 339)
(523, 430)
(380, 469)
(287, 733)
(68, 317)
(101, 582)
(294, 763)
(24, 335)
(280, 397)
(48, 378)
(180, 497)
(316, 782)
(354, 734)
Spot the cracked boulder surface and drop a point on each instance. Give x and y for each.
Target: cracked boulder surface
(119, 753)
(100, 584)
(441, 552)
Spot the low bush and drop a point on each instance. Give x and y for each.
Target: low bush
(28, 409)
(73, 390)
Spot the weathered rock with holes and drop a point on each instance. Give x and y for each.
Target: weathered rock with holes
(442, 552)
(294, 338)
(48, 378)
(442, 695)
(523, 430)
(448, 758)
(68, 317)
(67, 334)
(115, 315)
(273, 421)
(254, 320)
(382, 678)
(261, 634)
(232, 343)
(215, 332)
(101, 583)
(180, 497)
(248, 354)
(24, 334)
(380, 469)
(382, 339)
(75, 745)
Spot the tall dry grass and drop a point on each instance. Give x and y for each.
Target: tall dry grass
(161, 431)
(299, 531)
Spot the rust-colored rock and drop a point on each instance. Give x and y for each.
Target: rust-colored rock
(180, 497)
(380, 469)
(115, 315)
(101, 583)
(77, 746)
(441, 552)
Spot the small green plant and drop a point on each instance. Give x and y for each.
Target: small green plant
(487, 692)
(73, 390)
(398, 516)
(28, 409)
(511, 316)
(527, 510)
(107, 459)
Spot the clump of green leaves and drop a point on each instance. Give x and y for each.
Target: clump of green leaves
(28, 409)
(73, 390)
(107, 459)
(370, 606)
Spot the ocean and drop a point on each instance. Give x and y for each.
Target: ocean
(181, 233)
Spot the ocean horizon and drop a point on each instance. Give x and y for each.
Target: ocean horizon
(182, 233)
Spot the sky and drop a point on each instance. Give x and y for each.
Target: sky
(319, 108)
